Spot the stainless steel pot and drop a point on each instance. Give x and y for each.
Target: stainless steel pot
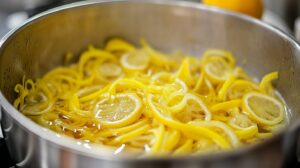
(39, 45)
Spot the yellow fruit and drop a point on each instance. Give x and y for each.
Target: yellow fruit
(110, 70)
(123, 130)
(124, 109)
(217, 71)
(153, 103)
(223, 90)
(250, 7)
(214, 54)
(219, 125)
(184, 72)
(117, 44)
(263, 109)
(189, 104)
(239, 88)
(266, 83)
(225, 105)
(240, 121)
(247, 133)
(245, 128)
(161, 78)
(188, 129)
(135, 60)
(184, 149)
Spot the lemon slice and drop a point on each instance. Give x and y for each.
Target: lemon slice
(266, 83)
(125, 83)
(203, 146)
(161, 78)
(240, 73)
(124, 109)
(223, 90)
(37, 108)
(217, 71)
(263, 109)
(135, 60)
(110, 70)
(217, 124)
(184, 72)
(240, 121)
(247, 133)
(157, 58)
(190, 104)
(184, 149)
(214, 54)
(117, 44)
(240, 88)
(245, 128)
(188, 129)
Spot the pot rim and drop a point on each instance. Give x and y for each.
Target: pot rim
(70, 144)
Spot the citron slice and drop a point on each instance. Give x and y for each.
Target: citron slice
(184, 149)
(124, 109)
(117, 44)
(263, 109)
(217, 124)
(245, 128)
(190, 104)
(266, 82)
(217, 71)
(239, 88)
(240, 121)
(110, 70)
(184, 72)
(161, 78)
(135, 60)
(247, 133)
(214, 54)
(190, 130)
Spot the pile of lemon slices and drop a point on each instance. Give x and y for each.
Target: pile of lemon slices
(157, 103)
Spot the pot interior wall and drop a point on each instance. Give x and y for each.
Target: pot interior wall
(41, 45)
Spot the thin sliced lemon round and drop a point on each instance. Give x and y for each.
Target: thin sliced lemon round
(184, 72)
(217, 71)
(123, 109)
(110, 70)
(240, 88)
(161, 78)
(240, 122)
(245, 128)
(240, 73)
(263, 109)
(266, 83)
(117, 44)
(214, 54)
(247, 133)
(220, 125)
(190, 104)
(190, 130)
(135, 60)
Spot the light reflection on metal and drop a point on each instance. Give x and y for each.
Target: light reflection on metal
(120, 149)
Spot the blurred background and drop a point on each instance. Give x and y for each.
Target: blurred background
(280, 13)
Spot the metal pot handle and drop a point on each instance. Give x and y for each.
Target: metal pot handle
(4, 154)
(291, 147)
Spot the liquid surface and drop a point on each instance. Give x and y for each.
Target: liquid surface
(155, 103)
